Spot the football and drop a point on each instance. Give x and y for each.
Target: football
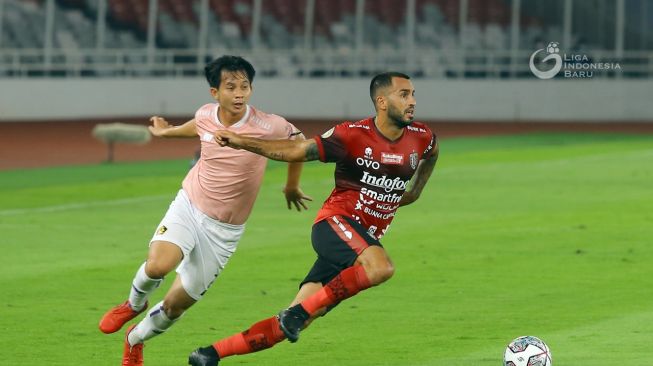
(527, 351)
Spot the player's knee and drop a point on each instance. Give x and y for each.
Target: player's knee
(380, 273)
(156, 269)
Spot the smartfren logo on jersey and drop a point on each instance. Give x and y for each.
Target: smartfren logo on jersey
(384, 182)
(573, 66)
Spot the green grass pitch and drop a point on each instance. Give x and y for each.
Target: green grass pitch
(543, 234)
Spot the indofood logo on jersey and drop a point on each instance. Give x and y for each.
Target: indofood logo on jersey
(384, 182)
(573, 66)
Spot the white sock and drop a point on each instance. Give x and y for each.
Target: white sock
(142, 287)
(155, 322)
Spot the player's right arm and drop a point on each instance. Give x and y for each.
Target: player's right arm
(282, 150)
(162, 128)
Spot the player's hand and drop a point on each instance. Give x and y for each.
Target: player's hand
(159, 126)
(295, 196)
(228, 138)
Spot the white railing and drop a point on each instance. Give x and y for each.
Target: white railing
(427, 63)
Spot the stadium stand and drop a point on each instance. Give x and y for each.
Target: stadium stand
(447, 48)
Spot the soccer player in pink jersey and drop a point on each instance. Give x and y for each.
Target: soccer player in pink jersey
(375, 158)
(204, 223)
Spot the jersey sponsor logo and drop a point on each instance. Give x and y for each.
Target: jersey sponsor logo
(386, 207)
(368, 153)
(413, 160)
(359, 126)
(328, 134)
(384, 182)
(416, 129)
(379, 197)
(371, 231)
(161, 230)
(377, 214)
(430, 147)
(368, 163)
(392, 159)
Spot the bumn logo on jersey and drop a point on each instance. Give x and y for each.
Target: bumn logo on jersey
(367, 161)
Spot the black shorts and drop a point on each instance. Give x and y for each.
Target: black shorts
(338, 241)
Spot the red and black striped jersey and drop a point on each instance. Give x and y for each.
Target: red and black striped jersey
(372, 172)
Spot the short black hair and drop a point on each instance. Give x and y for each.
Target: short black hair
(213, 70)
(383, 80)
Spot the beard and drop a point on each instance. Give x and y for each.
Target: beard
(399, 117)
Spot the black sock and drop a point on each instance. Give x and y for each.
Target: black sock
(299, 310)
(209, 351)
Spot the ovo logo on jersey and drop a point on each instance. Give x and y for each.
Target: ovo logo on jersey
(368, 163)
(552, 54)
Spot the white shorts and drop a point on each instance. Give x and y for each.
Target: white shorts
(207, 244)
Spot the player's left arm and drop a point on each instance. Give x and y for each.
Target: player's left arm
(421, 177)
(294, 195)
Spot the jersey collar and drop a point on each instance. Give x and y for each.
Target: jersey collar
(378, 132)
(238, 124)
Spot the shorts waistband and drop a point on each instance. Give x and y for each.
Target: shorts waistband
(206, 217)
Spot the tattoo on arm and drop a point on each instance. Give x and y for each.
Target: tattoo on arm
(282, 150)
(311, 152)
(269, 154)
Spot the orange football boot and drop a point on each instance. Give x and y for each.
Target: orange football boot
(115, 318)
(132, 355)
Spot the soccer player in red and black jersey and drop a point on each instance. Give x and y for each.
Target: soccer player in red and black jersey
(375, 158)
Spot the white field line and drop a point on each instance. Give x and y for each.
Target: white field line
(82, 205)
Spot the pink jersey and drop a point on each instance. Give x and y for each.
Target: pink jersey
(225, 181)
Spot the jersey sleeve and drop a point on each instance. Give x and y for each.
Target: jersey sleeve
(428, 152)
(284, 129)
(332, 145)
(292, 132)
(201, 116)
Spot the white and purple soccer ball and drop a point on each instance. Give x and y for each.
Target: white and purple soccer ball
(527, 351)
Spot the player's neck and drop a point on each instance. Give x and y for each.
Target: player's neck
(229, 119)
(387, 128)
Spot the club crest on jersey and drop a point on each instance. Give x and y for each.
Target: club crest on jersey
(392, 159)
(413, 160)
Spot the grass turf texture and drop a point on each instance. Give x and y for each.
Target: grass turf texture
(544, 234)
